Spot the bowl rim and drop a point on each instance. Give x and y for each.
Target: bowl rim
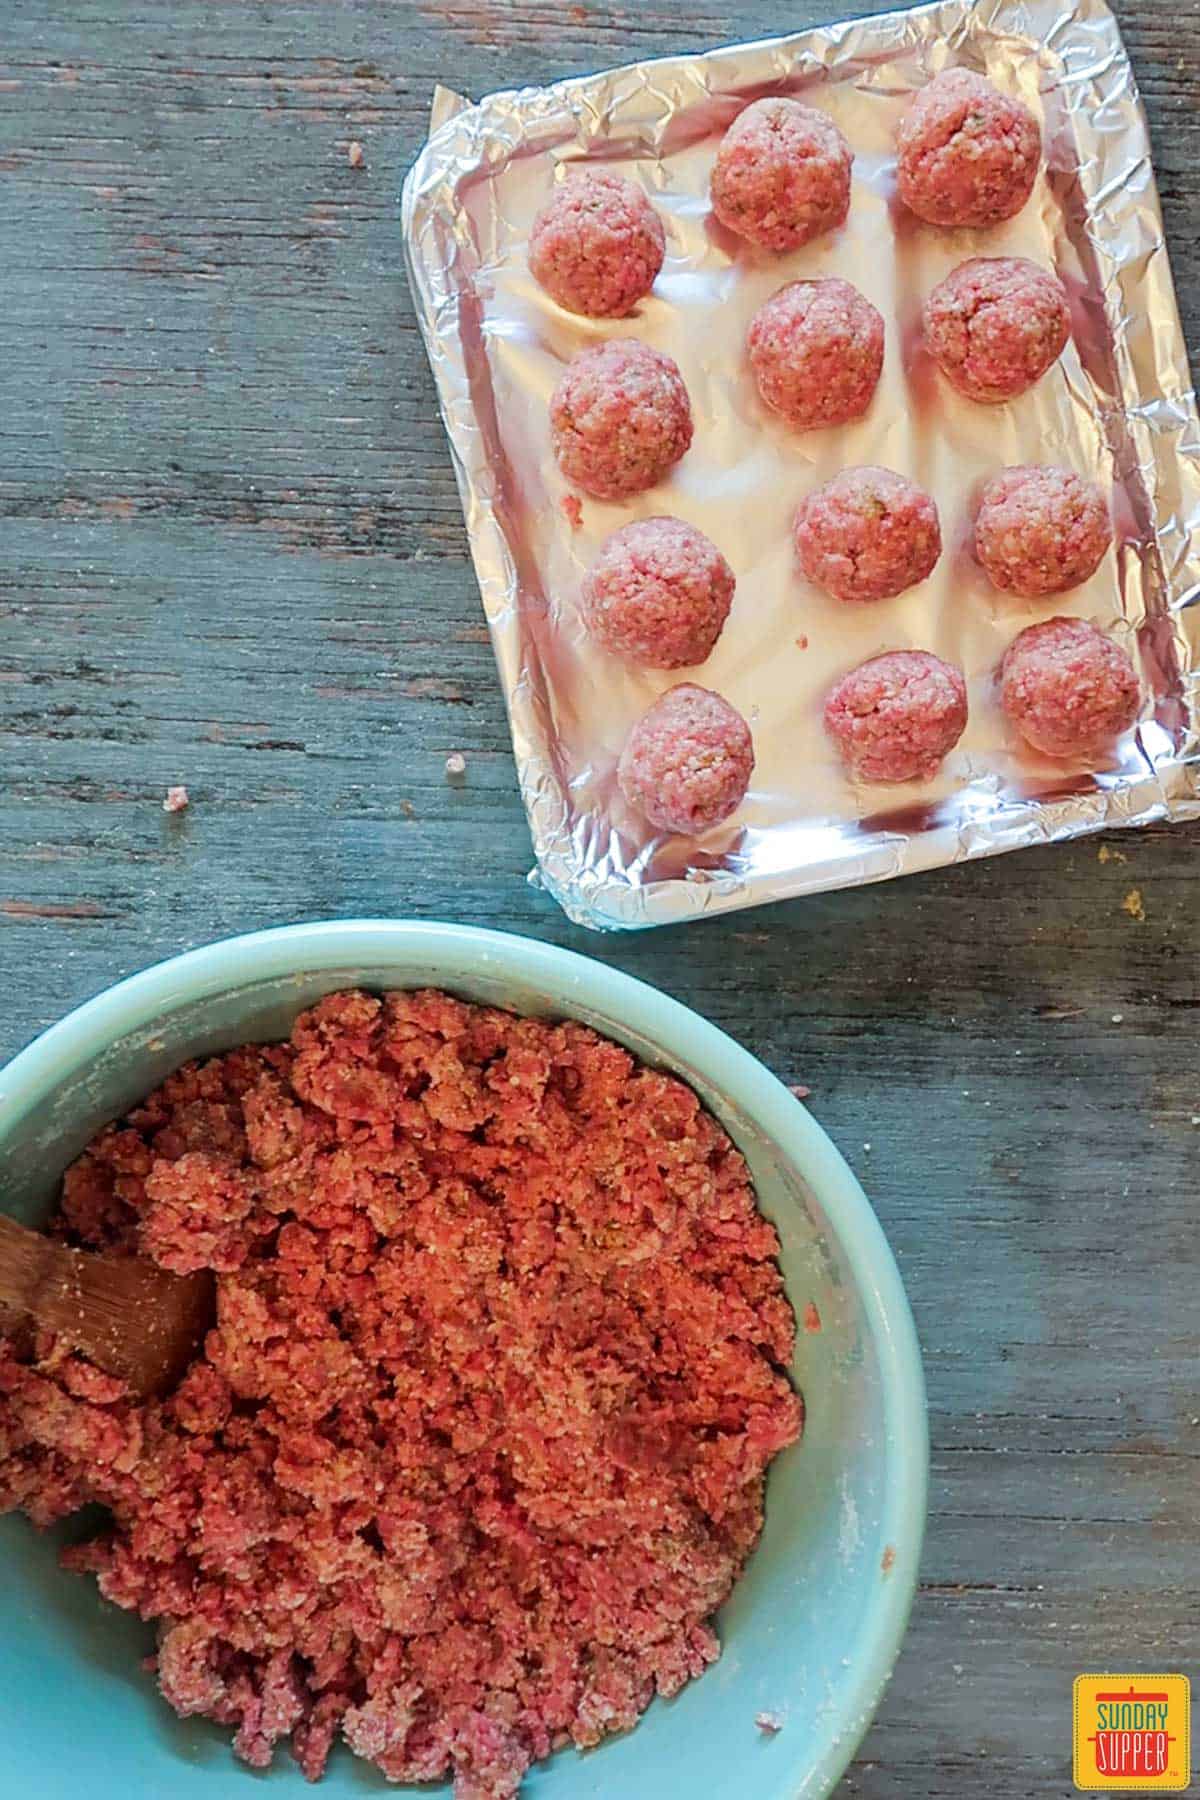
(252, 958)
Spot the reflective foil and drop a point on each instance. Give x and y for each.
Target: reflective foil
(1119, 407)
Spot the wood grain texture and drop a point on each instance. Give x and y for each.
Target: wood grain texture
(233, 556)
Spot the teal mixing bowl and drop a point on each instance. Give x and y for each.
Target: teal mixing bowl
(813, 1629)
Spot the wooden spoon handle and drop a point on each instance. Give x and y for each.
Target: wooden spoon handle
(122, 1312)
(26, 1259)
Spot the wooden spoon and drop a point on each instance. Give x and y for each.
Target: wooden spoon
(127, 1315)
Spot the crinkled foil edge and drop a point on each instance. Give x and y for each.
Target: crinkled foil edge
(1124, 224)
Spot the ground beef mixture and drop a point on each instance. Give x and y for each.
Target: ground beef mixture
(1068, 689)
(1041, 530)
(477, 1445)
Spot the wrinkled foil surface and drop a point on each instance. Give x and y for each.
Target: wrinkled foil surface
(1118, 407)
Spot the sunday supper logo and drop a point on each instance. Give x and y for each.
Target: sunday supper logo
(1133, 1732)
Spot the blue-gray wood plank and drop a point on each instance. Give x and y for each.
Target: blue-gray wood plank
(231, 554)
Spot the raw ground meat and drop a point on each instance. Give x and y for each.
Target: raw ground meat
(659, 594)
(597, 245)
(1041, 530)
(995, 325)
(967, 154)
(782, 174)
(895, 717)
(816, 348)
(687, 762)
(477, 1445)
(620, 418)
(1068, 689)
(867, 534)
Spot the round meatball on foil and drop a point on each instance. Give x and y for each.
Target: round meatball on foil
(867, 534)
(1041, 530)
(620, 418)
(1067, 689)
(995, 325)
(597, 245)
(658, 594)
(782, 174)
(687, 762)
(816, 349)
(966, 153)
(895, 717)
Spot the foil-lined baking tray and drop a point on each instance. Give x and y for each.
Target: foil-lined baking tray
(1119, 406)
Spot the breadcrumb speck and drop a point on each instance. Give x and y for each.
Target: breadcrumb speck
(1134, 905)
(355, 154)
(798, 1088)
(1106, 854)
(769, 1723)
(177, 800)
(456, 766)
(888, 1560)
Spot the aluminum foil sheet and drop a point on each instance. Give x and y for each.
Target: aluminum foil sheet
(1119, 406)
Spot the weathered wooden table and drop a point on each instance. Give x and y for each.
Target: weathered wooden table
(232, 555)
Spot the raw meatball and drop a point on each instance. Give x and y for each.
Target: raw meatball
(1039, 531)
(658, 593)
(688, 761)
(968, 154)
(895, 716)
(816, 348)
(620, 418)
(597, 246)
(996, 324)
(867, 534)
(782, 175)
(1067, 688)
